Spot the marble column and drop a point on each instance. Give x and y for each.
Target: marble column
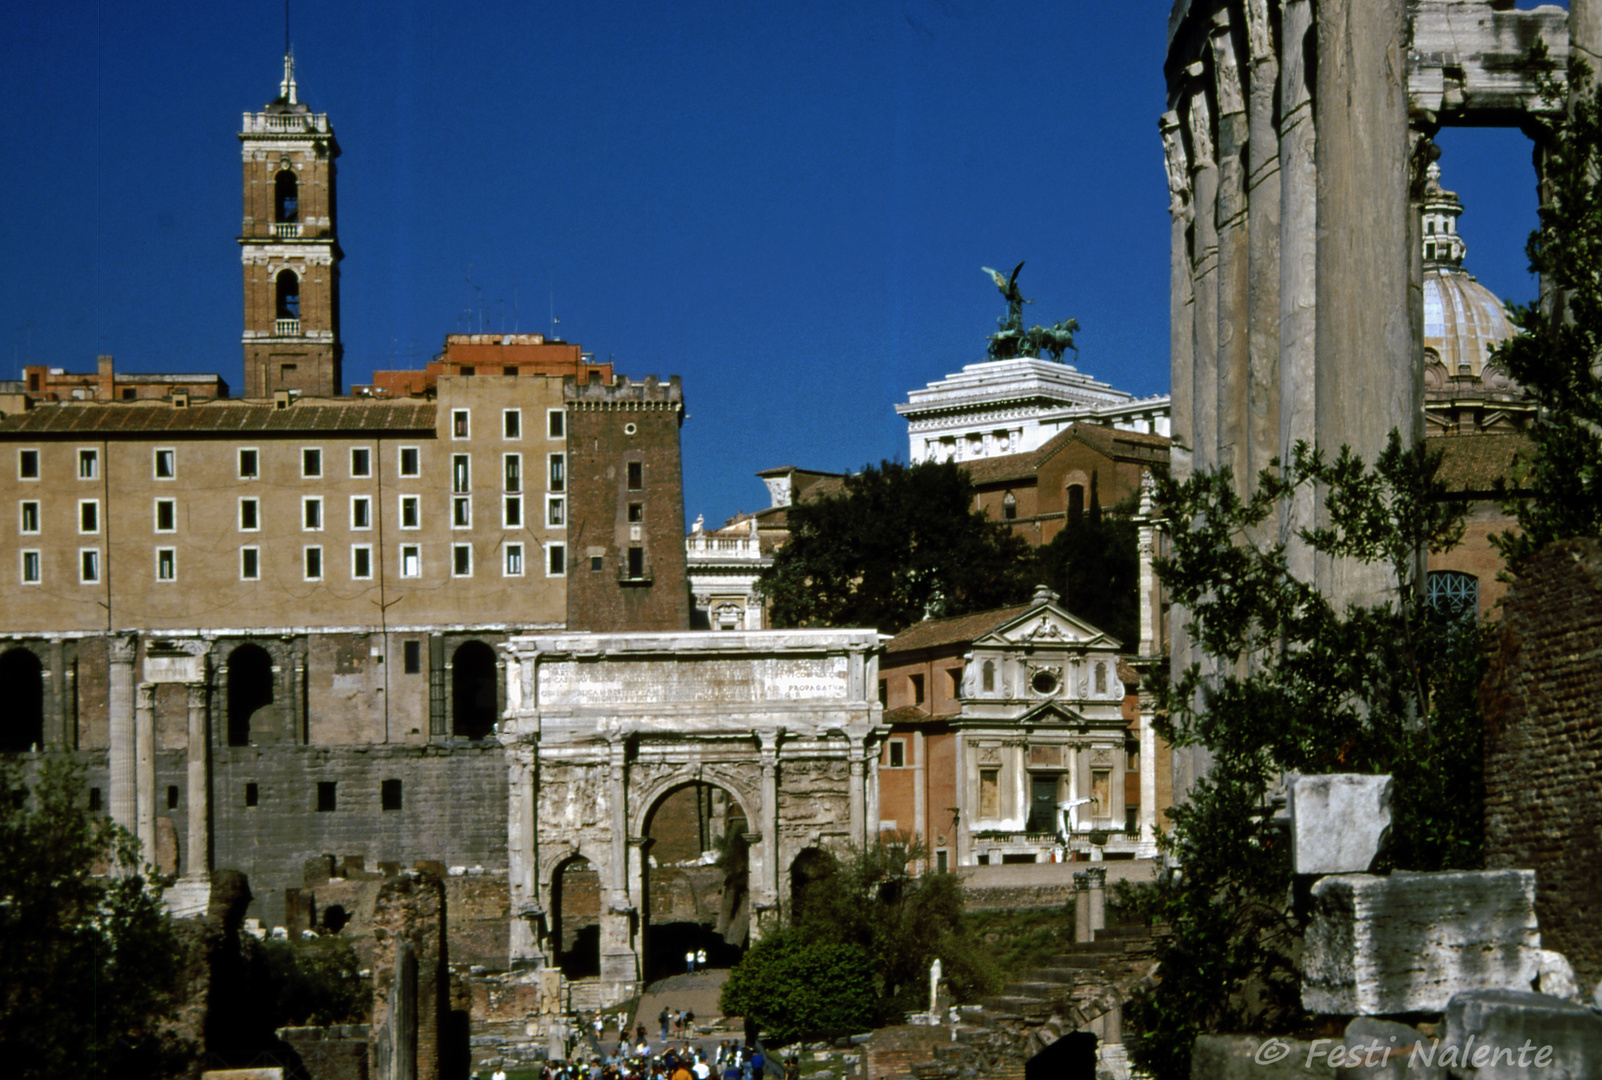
(1298, 267)
(1098, 898)
(618, 961)
(522, 858)
(123, 801)
(1234, 253)
(1263, 215)
(145, 769)
(860, 830)
(765, 894)
(1082, 907)
(197, 850)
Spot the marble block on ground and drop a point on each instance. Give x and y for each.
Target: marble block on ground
(1385, 1050)
(1338, 822)
(1252, 1057)
(1408, 942)
(1519, 1035)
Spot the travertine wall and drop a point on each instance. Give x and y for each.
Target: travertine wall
(1543, 746)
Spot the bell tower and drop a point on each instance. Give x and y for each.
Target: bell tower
(289, 245)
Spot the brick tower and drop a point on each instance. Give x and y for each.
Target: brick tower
(290, 248)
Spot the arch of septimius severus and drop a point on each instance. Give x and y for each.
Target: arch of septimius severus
(1296, 138)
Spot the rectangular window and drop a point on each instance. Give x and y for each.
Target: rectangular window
(252, 795)
(361, 461)
(459, 425)
(636, 476)
(512, 423)
(410, 515)
(514, 560)
(409, 461)
(461, 512)
(249, 564)
(412, 657)
(514, 472)
(27, 464)
(917, 688)
(512, 512)
(88, 515)
(31, 568)
(555, 560)
(636, 513)
(166, 464)
(172, 796)
(30, 518)
(166, 515)
(956, 682)
(311, 462)
(556, 511)
(389, 795)
(461, 473)
(636, 562)
(249, 515)
(327, 797)
(555, 423)
(166, 564)
(461, 560)
(313, 563)
(411, 561)
(940, 862)
(989, 793)
(89, 565)
(94, 798)
(361, 562)
(597, 563)
(558, 481)
(361, 512)
(898, 754)
(88, 464)
(249, 465)
(311, 513)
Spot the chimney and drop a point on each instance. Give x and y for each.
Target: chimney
(107, 390)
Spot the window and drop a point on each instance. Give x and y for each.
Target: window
(940, 862)
(461, 472)
(166, 515)
(249, 564)
(311, 462)
(327, 797)
(636, 562)
(555, 560)
(556, 512)
(288, 302)
(311, 513)
(898, 754)
(459, 425)
(514, 472)
(1453, 595)
(1076, 502)
(461, 512)
(412, 657)
(409, 461)
(166, 564)
(1100, 792)
(411, 561)
(514, 560)
(286, 197)
(361, 512)
(461, 560)
(597, 563)
(361, 461)
(512, 423)
(166, 464)
(88, 565)
(27, 464)
(917, 688)
(1101, 678)
(1132, 820)
(252, 795)
(94, 798)
(636, 476)
(88, 464)
(389, 795)
(172, 796)
(512, 512)
(313, 563)
(409, 512)
(988, 676)
(555, 424)
(956, 682)
(884, 692)
(249, 515)
(636, 513)
(361, 562)
(249, 465)
(1009, 507)
(88, 515)
(1132, 755)
(31, 569)
(30, 518)
(558, 471)
(989, 793)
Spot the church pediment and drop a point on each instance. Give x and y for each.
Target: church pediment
(1047, 624)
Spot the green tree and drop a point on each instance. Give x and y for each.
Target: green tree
(1298, 685)
(899, 543)
(1094, 565)
(1556, 356)
(88, 960)
(794, 986)
(316, 982)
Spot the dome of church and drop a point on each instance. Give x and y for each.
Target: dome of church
(1462, 318)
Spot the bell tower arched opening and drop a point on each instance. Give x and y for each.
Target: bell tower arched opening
(286, 197)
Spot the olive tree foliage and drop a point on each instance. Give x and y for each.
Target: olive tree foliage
(898, 543)
(1558, 356)
(88, 960)
(1295, 683)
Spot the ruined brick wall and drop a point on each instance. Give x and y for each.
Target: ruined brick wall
(411, 982)
(330, 1053)
(1543, 746)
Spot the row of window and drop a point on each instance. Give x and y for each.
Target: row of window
(408, 462)
(389, 796)
(312, 563)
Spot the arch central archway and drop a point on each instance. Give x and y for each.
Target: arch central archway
(696, 878)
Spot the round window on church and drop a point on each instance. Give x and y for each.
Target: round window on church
(1043, 682)
(628, 429)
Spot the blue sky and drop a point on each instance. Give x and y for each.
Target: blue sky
(786, 204)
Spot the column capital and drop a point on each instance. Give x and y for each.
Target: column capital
(146, 695)
(122, 647)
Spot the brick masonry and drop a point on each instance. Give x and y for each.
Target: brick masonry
(1543, 746)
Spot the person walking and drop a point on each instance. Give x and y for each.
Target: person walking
(689, 962)
(700, 959)
(663, 1020)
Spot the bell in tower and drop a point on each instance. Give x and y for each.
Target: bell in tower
(290, 248)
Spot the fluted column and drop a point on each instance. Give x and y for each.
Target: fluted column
(1082, 907)
(769, 884)
(123, 650)
(859, 810)
(618, 961)
(1298, 267)
(145, 769)
(197, 854)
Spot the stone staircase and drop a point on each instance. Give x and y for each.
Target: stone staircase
(1082, 989)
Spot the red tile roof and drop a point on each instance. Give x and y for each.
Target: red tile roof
(1113, 442)
(325, 415)
(932, 633)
